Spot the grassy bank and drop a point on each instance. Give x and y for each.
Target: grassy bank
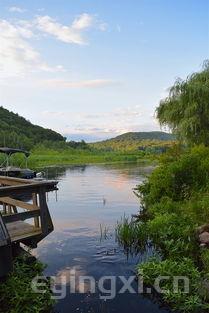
(175, 202)
(43, 156)
(16, 294)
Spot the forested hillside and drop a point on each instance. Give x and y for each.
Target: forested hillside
(152, 135)
(136, 141)
(17, 132)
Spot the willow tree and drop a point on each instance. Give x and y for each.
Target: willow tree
(186, 109)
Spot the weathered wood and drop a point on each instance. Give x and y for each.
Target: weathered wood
(13, 181)
(31, 188)
(21, 216)
(18, 203)
(46, 221)
(13, 228)
(35, 203)
(20, 230)
(4, 208)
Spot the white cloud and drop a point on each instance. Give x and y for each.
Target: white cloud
(67, 34)
(17, 56)
(59, 83)
(17, 9)
(101, 124)
(72, 33)
(83, 21)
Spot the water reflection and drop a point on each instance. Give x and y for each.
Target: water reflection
(91, 199)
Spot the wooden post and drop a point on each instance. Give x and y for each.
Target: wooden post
(35, 202)
(46, 221)
(4, 208)
(9, 209)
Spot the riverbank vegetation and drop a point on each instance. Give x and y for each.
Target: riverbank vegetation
(48, 147)
(16, 294)
(56, 153)
(175, 200)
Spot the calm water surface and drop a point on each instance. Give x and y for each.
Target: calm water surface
(91, 198)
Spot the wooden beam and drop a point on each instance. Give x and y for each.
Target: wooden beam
(20, 216)
(27, 188)
(13, 181)
(18, 203)
(20, 231)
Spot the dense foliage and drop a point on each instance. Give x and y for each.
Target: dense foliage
(17, 132)
(186, 109)
(174, 204)
(16, 294)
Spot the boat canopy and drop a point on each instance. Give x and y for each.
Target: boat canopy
(10, 151)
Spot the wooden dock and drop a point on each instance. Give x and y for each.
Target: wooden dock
(24, 215)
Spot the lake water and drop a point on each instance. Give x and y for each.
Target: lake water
(90, 201)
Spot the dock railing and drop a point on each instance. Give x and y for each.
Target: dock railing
(23, 200)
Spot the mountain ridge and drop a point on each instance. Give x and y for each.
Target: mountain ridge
(135, 141)
(17, 132)
(148, 135)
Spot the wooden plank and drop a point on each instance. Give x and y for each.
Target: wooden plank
(20, 231)
(21, 216)
(18, 203)
(13, 181)
(25, 188)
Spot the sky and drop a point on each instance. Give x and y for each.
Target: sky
(94, 69)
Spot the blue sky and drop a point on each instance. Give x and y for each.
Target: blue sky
(96, 69)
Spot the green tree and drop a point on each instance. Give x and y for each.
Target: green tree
(186, 110)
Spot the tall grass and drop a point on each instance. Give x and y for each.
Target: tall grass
(131, 235)
(46, 157)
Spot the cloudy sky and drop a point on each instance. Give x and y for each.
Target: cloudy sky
(97, 68)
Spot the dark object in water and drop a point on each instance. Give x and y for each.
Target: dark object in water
(6, 169)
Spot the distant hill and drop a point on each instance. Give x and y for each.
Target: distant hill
(17, 132)
(153, 135)
(135, 140)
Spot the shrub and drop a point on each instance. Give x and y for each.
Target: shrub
(16, 294)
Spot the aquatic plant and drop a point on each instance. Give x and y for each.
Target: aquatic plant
(104, 232)
(131, 235)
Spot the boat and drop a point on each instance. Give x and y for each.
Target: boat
(7, 169)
